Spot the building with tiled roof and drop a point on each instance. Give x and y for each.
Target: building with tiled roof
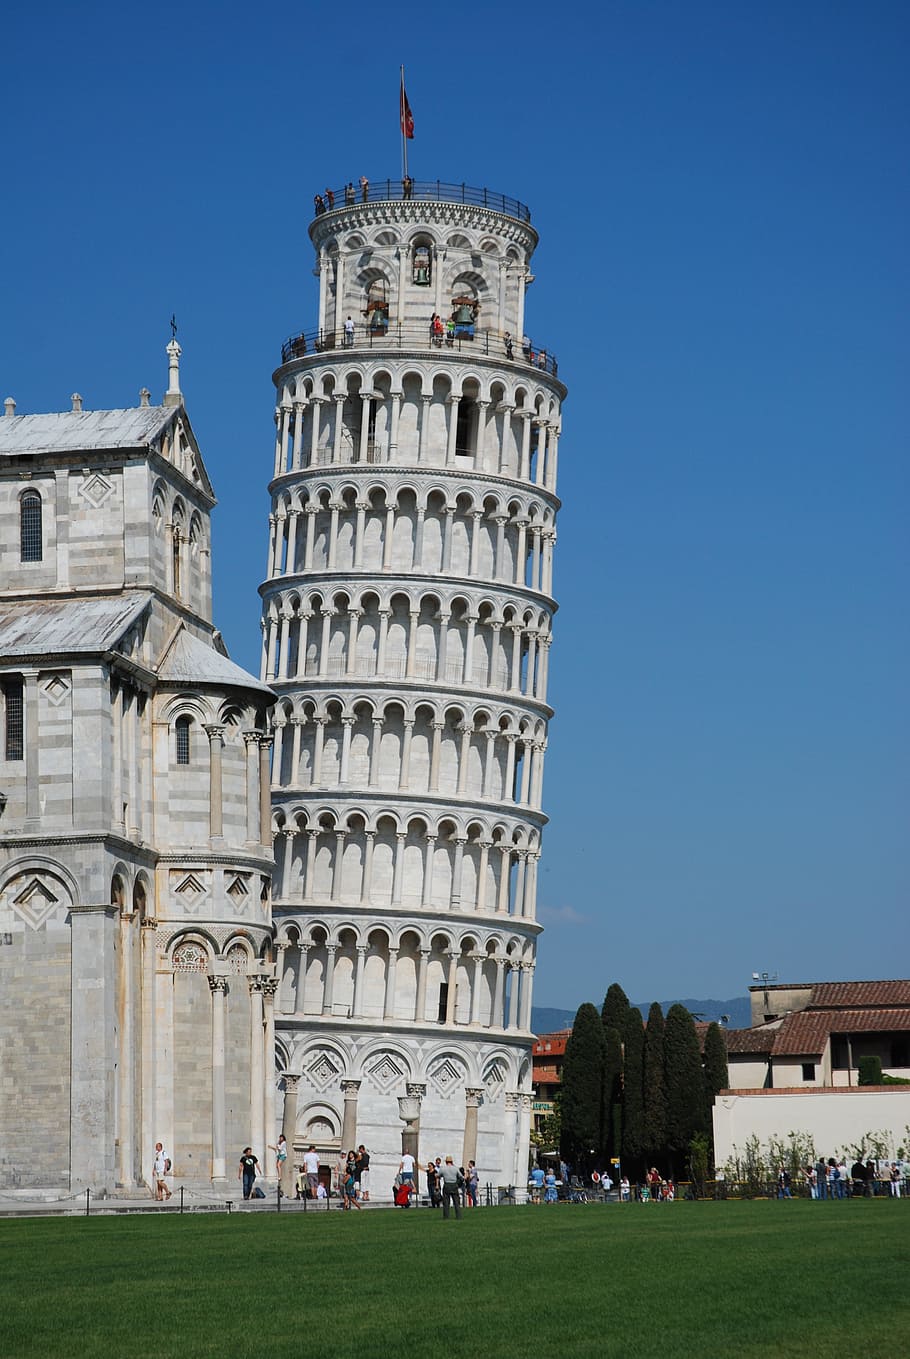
(805, 1044)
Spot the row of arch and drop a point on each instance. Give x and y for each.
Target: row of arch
(346, 530)
(187, 559)
(425, 638)
(435, 420)
(369, 972)
(425, 749)
(434, 863)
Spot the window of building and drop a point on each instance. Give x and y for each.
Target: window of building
(182, 732)
(422, 267)
(31, 547)
(900, 1052)
(13, 707)
(443, 1002)
(808, 1071)
(378, 307)
(466, 430)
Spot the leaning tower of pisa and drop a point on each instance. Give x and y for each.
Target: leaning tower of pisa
(406, 630)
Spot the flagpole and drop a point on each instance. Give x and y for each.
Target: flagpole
(401, 121)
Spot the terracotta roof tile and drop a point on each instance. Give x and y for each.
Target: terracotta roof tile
(742, 1042)
(856, 995)
(805, 1032)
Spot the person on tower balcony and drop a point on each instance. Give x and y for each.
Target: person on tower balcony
(364, 188)
(349, 195)
(407, 186)
(330, 199)
(349, 333)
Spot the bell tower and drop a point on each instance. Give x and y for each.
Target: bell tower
(407, 621)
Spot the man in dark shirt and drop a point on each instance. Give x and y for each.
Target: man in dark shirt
(362, 1172)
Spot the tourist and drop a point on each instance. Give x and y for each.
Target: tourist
(471, 1181)
(246, 1171)
(318, 204)
(407, 186)
(341, 1170)
(450, 333)
(433, 1185)
(406, 1168)
(653, 1181)
(349, 194)
(363, 1172)
(536, 1183)
(364, 188)
(810, 1175)
(821, 1178)
(895, 1180)
(843, 1182)
(330, 199)
(311, 1168)
(550, 1196)
(451, 1188)
(161, 1168)
(507, 341)
(349, 333)
(783, 1183)
(625, 1189)
(281, 1154)
(349, 1199)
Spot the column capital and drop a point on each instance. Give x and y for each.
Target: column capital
(254, 982)
(269, 987)
(217, 983)
(350, 1088)
(415, 1090)
(291, 1081)
(213, 730)
(363, 949)
(473, 1096)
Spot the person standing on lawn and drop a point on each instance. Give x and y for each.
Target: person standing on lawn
(246, 1171)
(161, 1168)
(451, 1189)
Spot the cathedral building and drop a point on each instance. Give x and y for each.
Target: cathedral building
(407, 616)
(135, 849)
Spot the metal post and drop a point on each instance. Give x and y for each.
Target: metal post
(181, 1198)
(88, 1195)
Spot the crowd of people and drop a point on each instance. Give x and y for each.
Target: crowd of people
(832, 1180)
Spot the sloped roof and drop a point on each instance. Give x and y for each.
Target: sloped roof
(806, 1032)
(71, 431)
(61, 627)
(745, 1042)
(858, 994)
(190, 661)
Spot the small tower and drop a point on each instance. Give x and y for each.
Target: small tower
(406, 628)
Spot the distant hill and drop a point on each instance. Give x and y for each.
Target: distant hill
(738, 1010)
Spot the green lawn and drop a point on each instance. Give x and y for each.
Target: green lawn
(768, 1279)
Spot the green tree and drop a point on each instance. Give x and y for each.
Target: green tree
(633, 1107)
(870, 1070)
(716, 1075)
(684, 1083)
(655, 1106)
(612, 1120)
(615, 1008)
(581, 1094)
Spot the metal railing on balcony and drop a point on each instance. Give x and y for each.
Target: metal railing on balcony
(420, 191)
(461, 339)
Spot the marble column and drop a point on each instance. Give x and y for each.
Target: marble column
(218, 987)
(472, 1099)
(257, 1105)
(269, 990)
(289, 1128)
(349, 1090)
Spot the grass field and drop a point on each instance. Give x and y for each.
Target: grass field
(769, 1279)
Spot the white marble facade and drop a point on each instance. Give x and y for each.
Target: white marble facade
(407, 616)
(135, 913)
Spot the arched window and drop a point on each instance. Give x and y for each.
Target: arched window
(31, 548)
(378, 307)
(422, 267)
(182, 733)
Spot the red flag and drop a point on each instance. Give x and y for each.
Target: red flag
(407, 117)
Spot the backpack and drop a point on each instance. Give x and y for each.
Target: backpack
(167, 1165)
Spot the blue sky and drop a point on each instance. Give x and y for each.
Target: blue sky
(721, 191)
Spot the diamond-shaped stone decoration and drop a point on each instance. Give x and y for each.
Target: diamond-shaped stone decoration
(34, 903)
(56, 689)
(322, 1070)
(385, 1072)
(494, 1079)
(446, 1075)
(238, 890)
(96, 489)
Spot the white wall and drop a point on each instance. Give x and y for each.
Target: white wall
(834, 1118)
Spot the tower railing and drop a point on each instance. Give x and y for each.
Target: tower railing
(455, 337)
(420, 191)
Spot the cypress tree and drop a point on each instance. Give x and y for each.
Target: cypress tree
(581, 1092)
(684, 1082)
(615, 1008)
(716, 1075)
(612, 1121)
(655, 1110)
(633, 1108)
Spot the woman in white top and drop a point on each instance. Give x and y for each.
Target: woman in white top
(281, 1153)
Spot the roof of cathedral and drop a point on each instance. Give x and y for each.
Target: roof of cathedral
(71, 431)
(187, 660)
(59, 626)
